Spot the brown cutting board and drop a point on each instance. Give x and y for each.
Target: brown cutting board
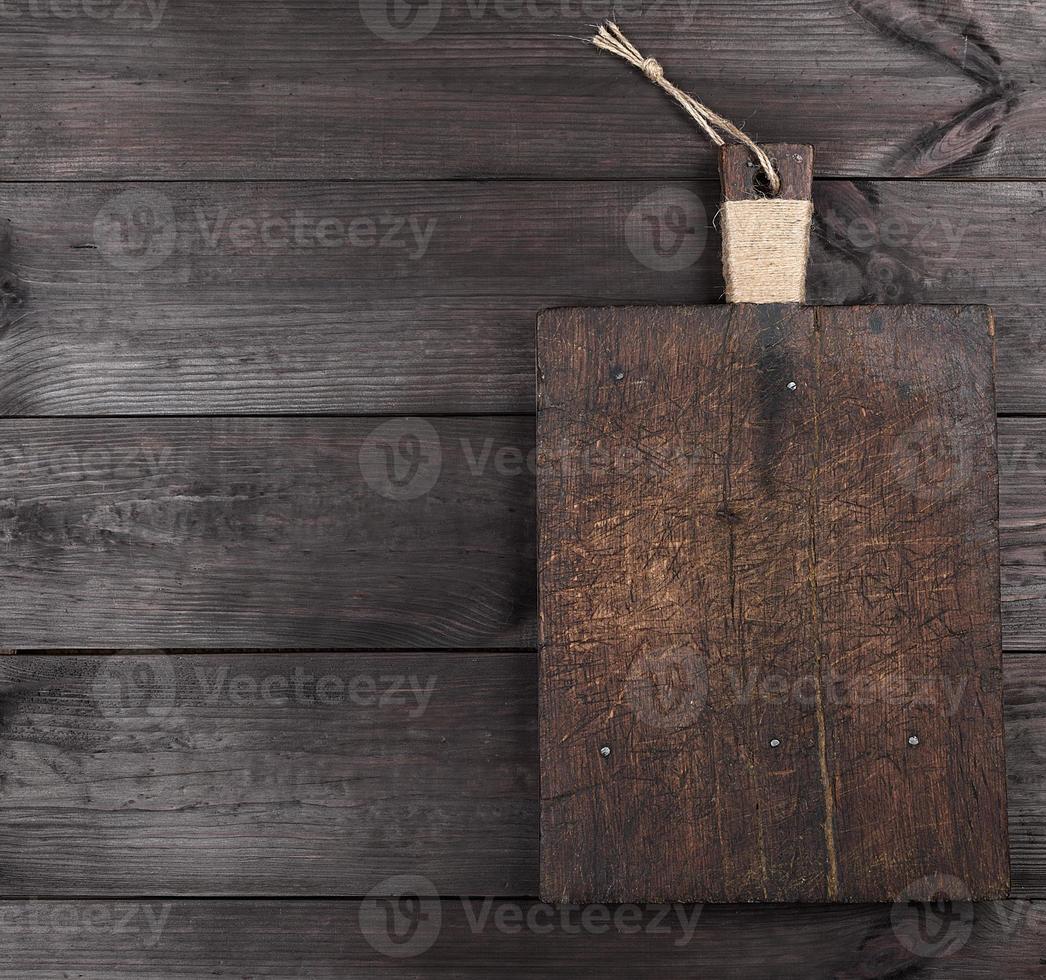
(769, 593)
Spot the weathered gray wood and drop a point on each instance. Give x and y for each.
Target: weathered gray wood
(116, 315)
(248, 798)
(266, 532)
(262, 532)
(330, 940)
(328, 89)
(135, 777)
(260, 774)
(1022, 482)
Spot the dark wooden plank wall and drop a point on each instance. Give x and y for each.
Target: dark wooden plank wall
(325, 940)
(335, 773)
(180, 299)
(221, 517)
(180, 774)
(277, 532)
(127, 291)
(273, 88)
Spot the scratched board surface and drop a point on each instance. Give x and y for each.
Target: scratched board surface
(268, 278)
(736, 501)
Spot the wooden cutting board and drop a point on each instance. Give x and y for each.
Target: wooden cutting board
(769, 598)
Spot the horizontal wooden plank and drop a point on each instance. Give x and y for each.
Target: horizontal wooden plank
(320, 774)
(279, 532)
(261, 774)
(267, 533)
(226, 298)
(329, 940)
(252, 88)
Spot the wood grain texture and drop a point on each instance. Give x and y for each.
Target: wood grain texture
(743, 180)
(329, 940)
(329, 90)
(266, 532)
(191, 796)
(160, 513)
(195, 299)
(226, 774)
(184, 774)
(734, 496)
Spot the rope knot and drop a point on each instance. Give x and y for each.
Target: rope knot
(611, 38)
(651, 67)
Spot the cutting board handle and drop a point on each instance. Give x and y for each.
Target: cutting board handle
(766, 236)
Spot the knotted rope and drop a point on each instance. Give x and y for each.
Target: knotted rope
(611, 38)
(766, 242)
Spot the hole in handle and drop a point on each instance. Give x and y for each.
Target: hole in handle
(761, 184)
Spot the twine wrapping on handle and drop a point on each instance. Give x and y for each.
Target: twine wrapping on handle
(766, 245)
(766, 241)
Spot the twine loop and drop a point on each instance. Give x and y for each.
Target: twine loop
(765, 242)
(611, 38)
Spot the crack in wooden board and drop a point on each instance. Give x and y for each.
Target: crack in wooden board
(757, 525)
